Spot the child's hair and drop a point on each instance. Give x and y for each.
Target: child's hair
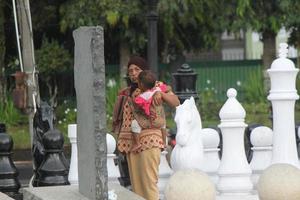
(147, 78)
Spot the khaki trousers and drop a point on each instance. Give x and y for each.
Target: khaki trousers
(143, 171)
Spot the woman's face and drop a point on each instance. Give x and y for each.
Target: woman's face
(133, 72)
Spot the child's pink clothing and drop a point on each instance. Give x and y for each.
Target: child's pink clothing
(144, 100)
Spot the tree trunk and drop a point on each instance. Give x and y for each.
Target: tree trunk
(24, 21)
(269, 54)
(52, 91)
(124, 57)
(2, 55)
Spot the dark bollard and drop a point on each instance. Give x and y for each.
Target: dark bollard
(54, 168)
(9, 183)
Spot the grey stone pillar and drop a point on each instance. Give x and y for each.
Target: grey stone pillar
(89, 75)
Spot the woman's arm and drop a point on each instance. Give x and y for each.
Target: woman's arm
(170, 98)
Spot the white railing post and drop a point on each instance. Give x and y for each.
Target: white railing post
(73, 172)
(261, 139)
(211, 162)
(112, 169)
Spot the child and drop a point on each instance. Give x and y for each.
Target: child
(147, 84)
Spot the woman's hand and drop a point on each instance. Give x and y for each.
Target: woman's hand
(157, 98)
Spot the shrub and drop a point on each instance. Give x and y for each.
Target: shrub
(209, 106)
(10, 115)
(254, 88)
(112, 89)
(66, 113)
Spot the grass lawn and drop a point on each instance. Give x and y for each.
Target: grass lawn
(21, 137)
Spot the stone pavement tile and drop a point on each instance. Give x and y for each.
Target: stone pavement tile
(5, 197)
(25, 172)
(72, 193)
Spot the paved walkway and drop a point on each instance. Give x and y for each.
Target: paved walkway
(25, 172)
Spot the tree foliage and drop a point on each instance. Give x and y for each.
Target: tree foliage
(183, 24)
(292, 20)
(264, 17)
(259, 15)
(189, 24)
(52, 59)
(123, 20)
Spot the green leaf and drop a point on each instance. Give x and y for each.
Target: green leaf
(112, 17)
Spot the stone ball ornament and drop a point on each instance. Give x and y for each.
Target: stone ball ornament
(190, 185)
(279, 182)
(261, 136)
(210, 138)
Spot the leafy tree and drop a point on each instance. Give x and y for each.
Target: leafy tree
(183, 24)
(262, 16)
(122, 20)
(189, 25)
(45, 20)
(51, 60)
(292, 22)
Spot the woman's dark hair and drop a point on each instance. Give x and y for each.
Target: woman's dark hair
(141, 63)
(138, 61)
(147, 78)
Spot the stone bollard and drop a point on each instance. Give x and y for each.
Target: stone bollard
(112, 169)
(164, 173)
(9, 183)
(211, 163)
(279, 182)
(53, 170)
(283, 95)
(261, 139)
(73, 172)
(234, 171)
(190, 185)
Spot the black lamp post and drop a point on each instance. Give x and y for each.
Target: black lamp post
(152, 18)
(185, 83)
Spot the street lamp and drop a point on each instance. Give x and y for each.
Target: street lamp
(152, 17)
(185, 83)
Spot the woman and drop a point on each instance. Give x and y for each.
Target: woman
(142, 164)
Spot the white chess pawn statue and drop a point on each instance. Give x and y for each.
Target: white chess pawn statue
(211, 140)
(261, 139)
